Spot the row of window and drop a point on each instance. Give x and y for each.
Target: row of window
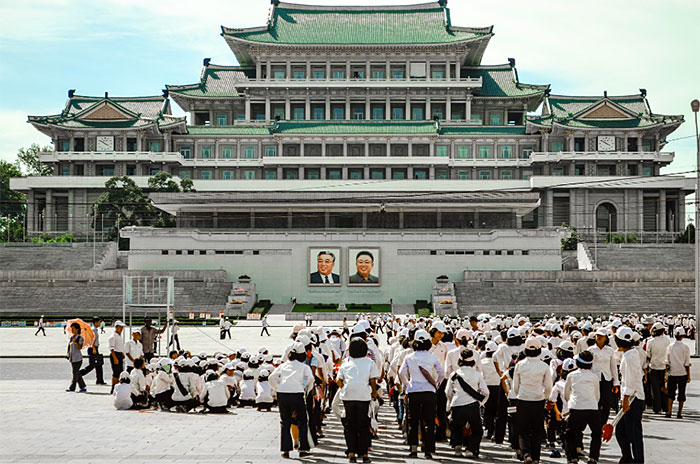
(131, 145)
(353, 174)
(462, 151)
(480, 252)
(416, 70)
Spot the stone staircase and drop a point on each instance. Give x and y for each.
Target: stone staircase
(575, 298)
(30, 256)
(644, 257)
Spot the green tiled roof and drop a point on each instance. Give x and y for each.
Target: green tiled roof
(142, 112)
(229, 130)
(502, 81)
(566, 106)
(356, 127)
(216, 81)
(406, 24)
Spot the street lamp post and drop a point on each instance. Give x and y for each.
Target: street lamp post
(695, 106)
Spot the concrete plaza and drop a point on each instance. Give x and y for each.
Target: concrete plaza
(41, 423)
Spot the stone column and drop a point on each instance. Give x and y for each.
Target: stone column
(280, 172)
(279, 148)
(387, 173)
(323, 147)
(468, 108)
(258, 69)
(428, 108)
(408, 109)
(288, 70)
(327, 112)
(549, 208)
(640, 142)
(365, 173)
(368, 68)
(347, 108)
(347, 70)
(308, 70)
(328, 70)
(368, 108)
(518, 221)
(387, 110)
(572, 208)
(268, 71)
(247, 109)
(287, 109)
(31, 212)
(448, 108)
(301, 147)
(268, 116)
(431, 172)
(307, 108)
(505, 116)
(662, 226)
(49, 212)
(345, 147)
(447, 71)
(344, 172)
(366, 147)
(410, 148)
(388, 69)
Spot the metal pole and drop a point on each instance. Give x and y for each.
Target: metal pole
(595, 238)
(695, 106)
(102, 229)
(94, 238)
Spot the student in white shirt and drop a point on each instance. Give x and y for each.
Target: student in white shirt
(502, 359)
(185, 392)
(174, 337)
(678, 361)
(605, 367)
(417, 373)
(439, 349)
(532, 384)
(493, 381)
(357, 380)
(163, 383)
(628, 433)
(133, 350)
(122, 393)
(138, 385)
(656, 354)
(263, 391)
(215, 395)
(582, 393)
(247, 388)
(116, 352)
(466, 391)
(292, 380)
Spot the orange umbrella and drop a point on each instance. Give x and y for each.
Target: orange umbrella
(85, 331)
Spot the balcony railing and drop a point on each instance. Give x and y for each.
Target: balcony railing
(655, 156)
(113, 156)
(473, 82)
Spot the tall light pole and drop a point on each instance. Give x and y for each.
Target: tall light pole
(695, 106)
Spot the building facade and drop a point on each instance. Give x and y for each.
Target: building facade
(366, 118)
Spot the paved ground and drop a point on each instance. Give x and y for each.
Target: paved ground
(43, 424)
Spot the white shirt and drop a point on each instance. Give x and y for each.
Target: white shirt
(292, 377)
(189, 381)
(440, 350)
(116, 343)
(456, 396)
(678, 358)
(122, 396)
(218, 394)
(247, 387)
(412, 376)
(503, 355)
(631, 375)
(162, 382)
(138, 382)
(134, 349)
(582, 390)
(557, 393)
(532, 380)
(656, 352)
(174, 329)
(263, 392)
(604, 364)
(355, 374)
(491, 377)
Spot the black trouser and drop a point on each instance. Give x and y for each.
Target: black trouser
(117, 368)
(95, 360)
(264, 331)
(490, 409)
(656, 380)
(606, 401)
(461, 416)
(530, 423)
(174, 341)
(501, 415)
(77, 376)
(441, 412)
(680, 382)
(188, 404)
(356, 426)
(629, 434)
(40, 329)
(578, 420)
(292, 403)
(222, 333)
(165, 399)
(148, 356)
(421, 413)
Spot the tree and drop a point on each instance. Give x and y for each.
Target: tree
(12, 205)
(570, 243)
(688, 235)
(163, 182)
(124, 203)
(28, 158)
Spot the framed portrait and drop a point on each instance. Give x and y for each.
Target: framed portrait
(364, 267)
(324, 267)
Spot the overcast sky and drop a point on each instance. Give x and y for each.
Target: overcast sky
(135, 47)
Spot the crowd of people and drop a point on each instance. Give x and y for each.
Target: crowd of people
(532, 385)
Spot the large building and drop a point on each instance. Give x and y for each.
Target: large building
(340, 123)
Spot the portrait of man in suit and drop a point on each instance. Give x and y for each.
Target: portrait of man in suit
(325, 263)
(366, 267)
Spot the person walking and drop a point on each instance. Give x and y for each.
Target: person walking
(582, 394)
(265, 325)
(605, 367)
(95, 359)
(292, 380)
(357, 379)
(174, 337)
(629, 433)
(222, 331)
(116, 353)
(656, 353)
(417, 373)
(532, 384)
(41, 327)
(227, 328)
(75, 357)
(678, 361)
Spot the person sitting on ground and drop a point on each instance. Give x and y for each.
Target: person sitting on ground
(263, 391)
(185, 394)
(122, 393)
(215, 395)
(163, 383)
(139, 393)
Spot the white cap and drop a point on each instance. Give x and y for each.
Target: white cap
(575, 335)
(491, 346)
(616, 323)
(303, 339)
(421, 335)
(165, 362)
(625, 333)
(556, 328)
(365, 324)
(533, 344)
(124, 375)
(603, 332)
(566, 346)
(264, 373)
(679, 331)
(262, 350)
(569, 364)
(297, 347)
(119, 324)
(439, 326)
(657, 326)
(513, 332)
(358, 328)
(404, 333)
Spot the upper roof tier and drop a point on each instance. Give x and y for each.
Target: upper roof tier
(87, 113)
(300, 25)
